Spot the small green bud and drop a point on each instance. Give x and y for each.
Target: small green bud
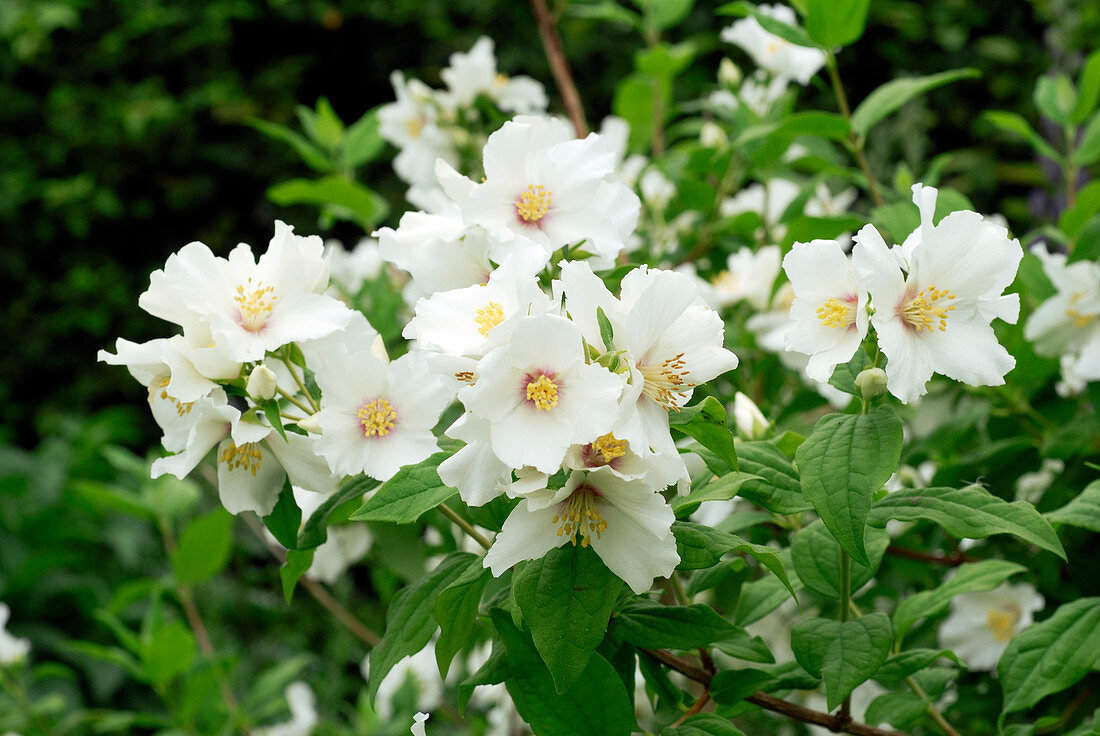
(871, 382)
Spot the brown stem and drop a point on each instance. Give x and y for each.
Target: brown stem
(695, 707)
(953, 559)
(854, 141)
(770, 702)
(559, 67)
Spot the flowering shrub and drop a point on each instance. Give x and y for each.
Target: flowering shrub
(532, 374)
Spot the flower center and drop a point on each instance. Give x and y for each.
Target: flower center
(605, 449)
(1079, 318)
(929, 307)
(162, 384)
(542, 392)
(414, 126)
(532, 205)
(488, 317)
(579, 514)
(247, 456)
(665, 383)
(725, 281)
(376, 418)
(836, 313)
(1002, 622)
(254, 305)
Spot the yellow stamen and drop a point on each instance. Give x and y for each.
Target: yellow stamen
(532, 205)
(466, 376)
(488, 317)
(254, 305)
(414, 126)
(665, 383)
(579, 514)
(376, 418)
(543, 392)
(836, 313)
(1002, 622)
(247, 456)
(162, 384)
(605, 449)
(923, 310)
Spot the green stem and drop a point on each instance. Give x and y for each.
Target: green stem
(298, 380)
(465, 525)
(299, 404)
(855, 142)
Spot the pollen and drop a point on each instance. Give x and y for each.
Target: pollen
(579, 515)
(927, 310)
(1079, 318)
(488, 317)
(543, 392)
(254, 305)
(836, 313)
(532, 205)
(1002, 622)
(162, 386)
(414, 126)
(376, 418)
(605, 449)
(247, 456)
(665, 383)
(466, 376)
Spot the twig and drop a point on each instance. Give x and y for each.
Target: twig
(770, 702)
(854, 141)
(932, 710)
(953, 559)
(466, 526)
(695, 707)
(559, 67)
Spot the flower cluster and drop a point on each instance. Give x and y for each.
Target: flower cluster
(931, 300)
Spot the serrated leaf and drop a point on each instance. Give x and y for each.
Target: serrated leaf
(743, 645)
(779, 489)
(900, 666)
(816, 557)
(845, 654)
(703, 724)
(410, 620)
(976, 576)
(971, 512)
(761, 597)
(1083, 511)
(892, 95)
(720, 489)
(897, 709)
(203, 548)
(702, 543)
(314, 531)
(846, 459)
(651, 625)
(1050, 656)
(456, 612)
(566, 599)
(705, 423)
(412, 491)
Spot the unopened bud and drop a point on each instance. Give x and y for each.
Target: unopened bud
(750, 421)
(711, 135)
(311, 424)
(262, 383)
(729, 73)
(871, 382)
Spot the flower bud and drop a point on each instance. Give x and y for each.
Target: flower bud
(711, 135)
(750, 421)
(728, 73)
(311, 424)
(262, 383)
(871, 382)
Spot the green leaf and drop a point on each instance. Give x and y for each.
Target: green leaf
(720, 489)
(364, 206)
(844, 375)
(779, 489)
(324, 126)
(608, 10)
(977, 576)
(820, 124)
(663, 14)
(314, 532)
(363, 143)
(168, 653)
(1088, 148)
(835, 23)
(410, 620)
(1056, 98)
(743, 645)
(892, 95)
(651, 625)
(404, 498)
(1088, 83)
(607, 332)
(634, 103)
(846, 459)
(1050, 656)
(310, 154)
(900, 666)
(733, 686)
(664, 60)
(816, 557)
(203, 548)
(597, 703)
(1083, 511)
(761, 597)
(1075, 218)
(566, 598)
(297, 562)
(1014, 124)
(795, 35)
(456, 612)
(897, 709)
(703, 724)
(493, 672)
(274, 416)
(285, 519)
(971, 512)
(702, 543)
(705, 423)
(844, 654)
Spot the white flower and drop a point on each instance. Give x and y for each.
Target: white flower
(376, 417)
(749, 275)
(418, 724)
(627, 523)
(1030, 487)
(410, 123)
(776, 54)
(350, 270)
(12, 649)
(303, 713)
(829, 309)
(936, 318)
(543, 185)
(824, 203)
(346, 544)
(981, 624)
(249, 307)
(539, 394)
(770, 200)
(657, 190)
(423, 672)
(475, 72)
(1068, 323)
(750, 421)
